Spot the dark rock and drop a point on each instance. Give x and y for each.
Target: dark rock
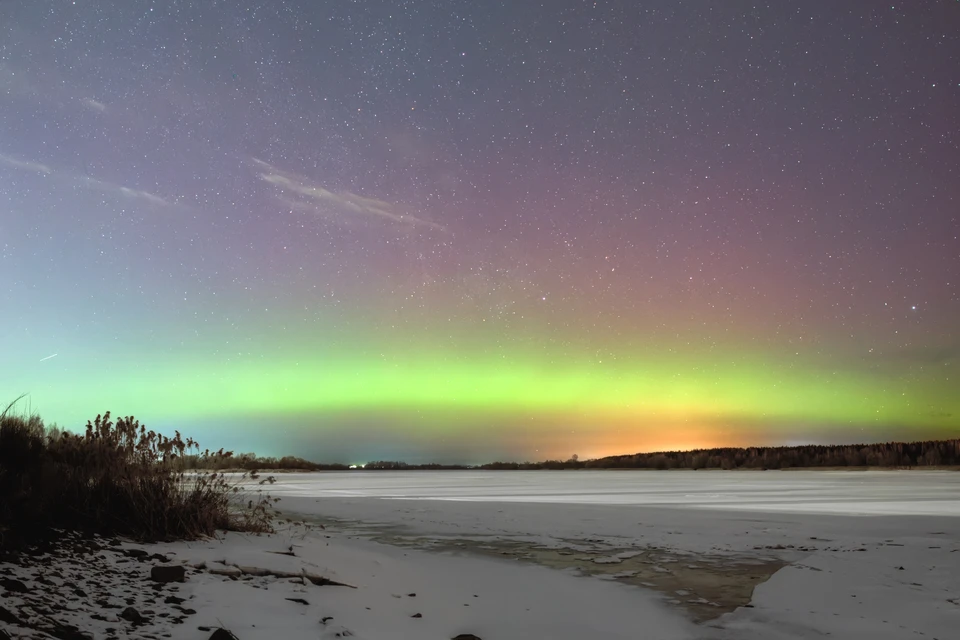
(297, 600)
(417, 615)
(324, 619)
(8, 616)
(900, 569)
(223, 634)
(139, 554)
(170, 573)
(411, 595)
(173, 600)
(11, 584)
(132, 615)
(68, 632)
(4, 635)
(466, 636)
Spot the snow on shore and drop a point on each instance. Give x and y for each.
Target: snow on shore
(248, 584)
(468, 568)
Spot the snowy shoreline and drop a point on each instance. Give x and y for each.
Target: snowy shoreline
(252, 587)
(505, 570)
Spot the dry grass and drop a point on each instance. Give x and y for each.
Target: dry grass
(116, 478)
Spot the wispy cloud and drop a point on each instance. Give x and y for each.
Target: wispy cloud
(302, 193)
(146, 195)
(93, 105)
(25, 165)
(82, 180)
(52, 89)
(119, 189)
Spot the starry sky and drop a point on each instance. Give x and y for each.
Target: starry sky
(462, 231)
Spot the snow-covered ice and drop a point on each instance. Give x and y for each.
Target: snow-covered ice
(935, 493)
(867, 554)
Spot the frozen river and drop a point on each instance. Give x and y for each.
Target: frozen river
(932, 493)
(775, 554)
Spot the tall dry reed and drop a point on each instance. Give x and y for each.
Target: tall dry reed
(116, 478)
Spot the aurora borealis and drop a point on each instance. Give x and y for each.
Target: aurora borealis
(461, 231)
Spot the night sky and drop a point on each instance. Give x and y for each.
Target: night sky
(463, 231)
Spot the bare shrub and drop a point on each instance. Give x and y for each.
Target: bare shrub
(117, 478)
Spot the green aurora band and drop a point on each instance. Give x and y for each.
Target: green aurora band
(668, 389)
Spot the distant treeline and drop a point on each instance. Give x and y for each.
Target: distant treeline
(252, 462)
(932, 453)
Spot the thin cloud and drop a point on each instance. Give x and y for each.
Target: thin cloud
(299, 192)
(25, 165)
(93, 105)
(139, 194)
(146, 195)
(85, 181)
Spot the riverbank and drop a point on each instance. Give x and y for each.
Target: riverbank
(307, 582)
(568, 556)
